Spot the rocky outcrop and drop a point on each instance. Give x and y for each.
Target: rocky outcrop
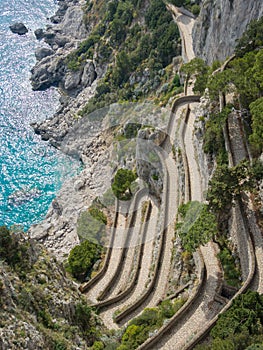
(43, 52)
(51, 69)
(38, 302)
(18, 28)
(63, 36)
(220, 24)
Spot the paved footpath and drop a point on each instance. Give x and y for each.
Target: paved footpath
(143, 276)
(115, 257)
(202, 311)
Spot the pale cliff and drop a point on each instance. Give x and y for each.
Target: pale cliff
(220, 24)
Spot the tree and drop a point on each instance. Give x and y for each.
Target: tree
(251, 39)
(122, 182)
(256, 138)
(198, 227)
(82, 258)
(196, 68)
(5, 240)
(120, 73)
(244, 316)
(255, 347)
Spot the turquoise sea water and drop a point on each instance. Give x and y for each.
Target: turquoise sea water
(31, 170)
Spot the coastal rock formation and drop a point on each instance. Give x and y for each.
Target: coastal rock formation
(220, 24)
(63, 36)
(43, 52)
(18, 28)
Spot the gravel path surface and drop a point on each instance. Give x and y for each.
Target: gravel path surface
(239, 152)
(125, 274)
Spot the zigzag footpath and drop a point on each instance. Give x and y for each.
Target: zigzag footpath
(138, 283)
(246, 238)
(203, 305)
(142, 300)
(131, 236)
(115, 255)
(84, 288)
(157, 288)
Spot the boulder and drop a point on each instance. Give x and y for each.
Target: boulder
(42, 52)
(18, 28)
(72, 80)
(48, 72)
(39, 34)
(89, 74)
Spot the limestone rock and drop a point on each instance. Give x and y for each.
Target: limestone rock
(89, 74)
(220, 24)
(48, 72)
(42, 52)
(72, 80)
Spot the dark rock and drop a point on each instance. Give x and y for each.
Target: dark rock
(18, 28)
(45, 137)
(39, 33)
(42, 52)
(48, 36)
(56, 206)
(60, 40)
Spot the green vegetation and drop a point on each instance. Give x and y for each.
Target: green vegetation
(91, 225)
(256, 137)
(252, 39)
(197, 226)
(82, 258)
(214, 142)
(197, 69)
(228, 183)
(15, 250)
(232, 274)
(121, 185)
(190, 5)
(142, 326)
(137, 51)
(243, 76)
(240, 327)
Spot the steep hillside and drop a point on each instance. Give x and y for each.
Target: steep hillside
(40, 307)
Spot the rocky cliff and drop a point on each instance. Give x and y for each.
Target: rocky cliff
(220, 24)
(40, 307)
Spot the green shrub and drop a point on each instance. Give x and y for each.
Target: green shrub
(82, 258)
(198, 227)
(256, 138)
(244, 316)
(122, 183)
(195, 9)
(82, 316)
(232, 273)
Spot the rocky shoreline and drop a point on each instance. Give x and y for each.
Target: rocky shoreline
(58, 230)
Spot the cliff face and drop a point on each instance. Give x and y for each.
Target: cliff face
(220, 24)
